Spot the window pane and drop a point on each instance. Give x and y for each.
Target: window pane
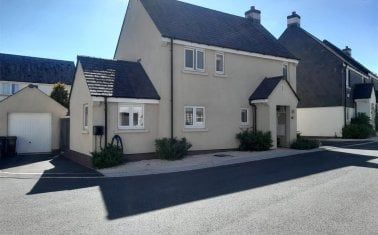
(189, 116)
(85, 121)
(200, 60)
(125, 119)
(199, 115)
(220, 63)
(244, 116)
(135, 119)
(285, 71)
(189, 59)
(15, 88)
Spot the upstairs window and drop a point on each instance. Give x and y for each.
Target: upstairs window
(219, 63)
(85, 116)
(285, 71)
(194, 117)
(195, 59)
(9, 88)
(131, 117)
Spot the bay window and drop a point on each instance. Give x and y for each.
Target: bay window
(194, 117)
(131, 116)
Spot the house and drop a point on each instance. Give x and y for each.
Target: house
(182, 70)
(34, 118)
(26, 110)
(333, 87)
(17, 72)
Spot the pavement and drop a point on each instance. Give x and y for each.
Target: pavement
(332, 191)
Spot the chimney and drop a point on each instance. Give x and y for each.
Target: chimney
(347, 51)
(253, 14)
(294, 20)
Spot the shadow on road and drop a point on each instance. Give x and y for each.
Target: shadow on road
(135, 195)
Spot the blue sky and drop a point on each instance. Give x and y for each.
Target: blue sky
(62, 29)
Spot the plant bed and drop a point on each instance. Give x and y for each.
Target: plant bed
(305, 144)
(254, 141)
(172, 149)
(110, 156)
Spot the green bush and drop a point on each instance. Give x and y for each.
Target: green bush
(305, 144)
(360, 128)
(172, 149)
(110, 156)
(361, 119)
(358, 131)
(254, 141)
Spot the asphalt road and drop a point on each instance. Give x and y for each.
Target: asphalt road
(333, 192)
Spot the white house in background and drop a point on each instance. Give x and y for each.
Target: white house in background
(182, 70)
(17, 72)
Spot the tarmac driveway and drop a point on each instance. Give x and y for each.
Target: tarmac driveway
(43, 164)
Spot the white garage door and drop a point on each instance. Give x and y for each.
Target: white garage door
(33, 131)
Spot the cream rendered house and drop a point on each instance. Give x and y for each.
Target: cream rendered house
(201, 74)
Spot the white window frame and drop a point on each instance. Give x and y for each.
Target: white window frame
(131, 116)
(195, 59)
(241, 122)
(224, 65)
(196, 125)
(85, 117)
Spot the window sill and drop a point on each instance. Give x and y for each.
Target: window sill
(246, 126)
(220, 75)
(188, 130)
(193, 72)
(85, 132)
(130, 131)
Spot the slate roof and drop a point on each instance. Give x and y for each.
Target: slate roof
(35, 70)
(266, 87)
(363, 91)
(347, 58)
(117, 78)
(183, 21)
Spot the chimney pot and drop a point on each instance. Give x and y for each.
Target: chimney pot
(347, 51)
(294, 20)
(253, 14)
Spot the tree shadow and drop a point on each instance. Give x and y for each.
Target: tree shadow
(129, 196)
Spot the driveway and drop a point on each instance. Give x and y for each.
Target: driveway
(324, 192)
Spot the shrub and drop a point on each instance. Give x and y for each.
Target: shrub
(305, 144)
(110, 156)
(361, 119)
(358, 131)
(60, 94)
(172, 149)
(254, 141)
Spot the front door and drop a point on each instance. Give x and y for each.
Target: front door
(281, 126)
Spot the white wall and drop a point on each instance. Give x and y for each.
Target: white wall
(323, 121)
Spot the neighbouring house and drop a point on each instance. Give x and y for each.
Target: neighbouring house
(34, 118)
(333, 87)
(182, 70)
(17, 72)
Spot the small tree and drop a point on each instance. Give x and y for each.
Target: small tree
(60, 94)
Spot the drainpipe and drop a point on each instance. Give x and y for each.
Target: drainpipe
(172, 133)
(345, 95)
(254, 108)
(106, 120)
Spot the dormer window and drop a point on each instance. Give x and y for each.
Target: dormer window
(195, 59)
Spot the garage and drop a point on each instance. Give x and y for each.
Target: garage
(34, 118)
(33, 131)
